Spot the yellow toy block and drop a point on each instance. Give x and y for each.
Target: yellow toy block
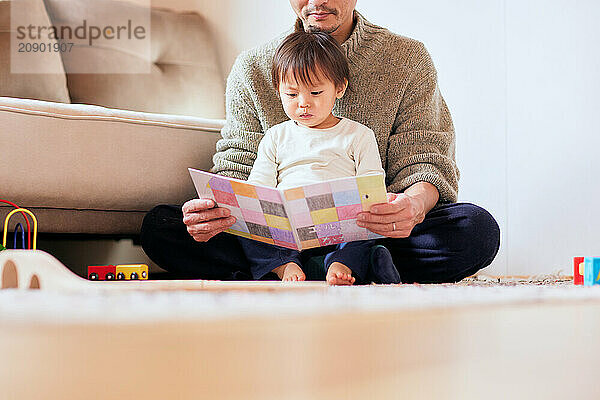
(132, 272)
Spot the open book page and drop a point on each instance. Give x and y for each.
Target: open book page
(314, 215)
(325, 213)
(259, 210)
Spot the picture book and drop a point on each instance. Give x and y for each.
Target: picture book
(299, 218)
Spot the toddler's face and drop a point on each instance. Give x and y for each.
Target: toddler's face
(310, 105)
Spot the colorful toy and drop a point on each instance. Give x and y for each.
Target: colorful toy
(578, 268)
(591, 271)
(132, 272)
(10, 203)
(10, 214)
(102, 272)
(118, 272)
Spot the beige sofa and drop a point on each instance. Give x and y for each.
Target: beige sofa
(91, 153)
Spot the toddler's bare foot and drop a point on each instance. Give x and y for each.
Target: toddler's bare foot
(290, 272)
(339, 274)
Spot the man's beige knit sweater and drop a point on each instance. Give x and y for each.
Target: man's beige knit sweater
(393, 90)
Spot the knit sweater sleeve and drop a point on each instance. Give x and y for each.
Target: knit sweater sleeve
(421, 147)
(242, 132)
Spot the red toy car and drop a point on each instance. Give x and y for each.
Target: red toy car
(121, 272)
(102, 273)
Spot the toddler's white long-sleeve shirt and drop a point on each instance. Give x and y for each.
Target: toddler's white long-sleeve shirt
(292, 155)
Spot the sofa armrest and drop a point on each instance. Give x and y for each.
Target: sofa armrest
(81, 157)
(97, 113)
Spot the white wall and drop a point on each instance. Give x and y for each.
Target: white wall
(521, 80)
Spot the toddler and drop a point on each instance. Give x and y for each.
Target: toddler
(310, 72)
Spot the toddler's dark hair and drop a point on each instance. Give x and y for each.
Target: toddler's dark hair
(306, 54)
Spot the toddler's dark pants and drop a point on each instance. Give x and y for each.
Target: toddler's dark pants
(453, 242)
(263, 258)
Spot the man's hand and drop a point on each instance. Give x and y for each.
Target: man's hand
(204, 220)
(398, 217)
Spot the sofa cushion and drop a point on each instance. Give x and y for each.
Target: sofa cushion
(50, 85)
(89, 169)
(183, 74)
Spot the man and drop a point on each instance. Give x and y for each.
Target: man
(393, 90)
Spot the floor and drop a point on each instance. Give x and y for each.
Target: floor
(421, 342)
(479, 339)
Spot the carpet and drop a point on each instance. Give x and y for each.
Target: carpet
(129, 307)
(484, 337)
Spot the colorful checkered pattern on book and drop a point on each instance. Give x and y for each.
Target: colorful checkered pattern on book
(325, 213)
(259, 211)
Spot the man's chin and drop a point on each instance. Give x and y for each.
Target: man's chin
(318, 28)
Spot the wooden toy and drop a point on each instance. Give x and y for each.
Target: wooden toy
(27, 269)
(10, 214)
(591, 271)
(121, 272)
(578, 269)
(102, 272)
(132, 272)
(10, 203)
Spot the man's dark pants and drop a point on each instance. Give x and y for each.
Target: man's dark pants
(453, 242)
